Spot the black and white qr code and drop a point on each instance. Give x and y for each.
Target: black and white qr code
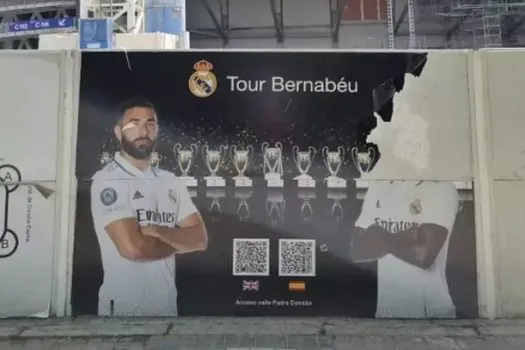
(296, 257)
(251, 257)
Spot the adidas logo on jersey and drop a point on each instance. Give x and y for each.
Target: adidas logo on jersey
(138, 195)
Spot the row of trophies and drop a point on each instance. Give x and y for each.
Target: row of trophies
(272, 164)
(275, 205)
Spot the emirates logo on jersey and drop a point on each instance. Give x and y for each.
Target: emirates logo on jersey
(155, 216)
(395, 226)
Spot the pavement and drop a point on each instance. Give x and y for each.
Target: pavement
(259, 334)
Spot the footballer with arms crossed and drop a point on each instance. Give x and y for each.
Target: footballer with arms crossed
(143, 216)
(406, 227)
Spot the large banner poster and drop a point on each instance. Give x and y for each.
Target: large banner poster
(225, 184)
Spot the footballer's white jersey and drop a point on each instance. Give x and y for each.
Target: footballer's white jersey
(405, 290)
(118, 191)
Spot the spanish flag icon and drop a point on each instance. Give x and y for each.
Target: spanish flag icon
(296, 286)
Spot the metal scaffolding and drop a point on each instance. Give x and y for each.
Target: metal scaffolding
(467, 23)
(411, 25)
(390, 24)
(480, 23)
(394, 24)
(222, 25)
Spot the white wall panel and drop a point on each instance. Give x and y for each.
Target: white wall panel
(26, 275)
(61, 41)
(509, 198)
(505, 83)
(30, 139)
(29, 97)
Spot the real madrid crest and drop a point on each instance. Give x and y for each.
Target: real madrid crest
(203, 82)
(415, 207)
(172, 196)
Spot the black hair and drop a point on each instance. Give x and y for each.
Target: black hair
(132, 103)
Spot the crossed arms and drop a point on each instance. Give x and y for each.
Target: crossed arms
(151, 242)
(155, 242)
(417, 244)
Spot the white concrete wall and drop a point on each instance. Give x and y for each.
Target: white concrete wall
(505, 84)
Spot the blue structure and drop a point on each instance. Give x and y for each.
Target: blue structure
(165, 16)
(41, 24)
(96, 33)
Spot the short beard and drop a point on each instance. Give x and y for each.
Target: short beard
(140, 152)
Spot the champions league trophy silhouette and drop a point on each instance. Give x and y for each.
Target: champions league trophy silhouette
(241, 159)
(275, 206)
(212, 159)
(104, 158)
(337, 209)
(333, 161)
(155, 159)
(363, 160)
(307, 212)
(215, 206)
(185, 158)
(243, 209)
(303, 161)
(273, 164)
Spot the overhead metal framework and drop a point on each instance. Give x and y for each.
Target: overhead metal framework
(459, 23)
(219, 14)
(394, 23)
(27, 10)
(278, 22)
(336, 14)
(463, 23)
(479, 23)
(222, 24)
(402, 16)
(411, 25)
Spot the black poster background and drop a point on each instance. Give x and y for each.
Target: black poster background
(204, 279)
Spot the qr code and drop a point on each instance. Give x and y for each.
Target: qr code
(296, 257)
(251, 257)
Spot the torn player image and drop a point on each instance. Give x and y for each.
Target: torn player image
(143, 217)
(406, 226)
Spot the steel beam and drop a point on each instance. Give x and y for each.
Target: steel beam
(216, 22)
(224, 6)
(461, 20)
(336, 13)
(401, 18)
(277, 14)
(394, 6)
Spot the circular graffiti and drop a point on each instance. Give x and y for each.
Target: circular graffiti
(10, 178)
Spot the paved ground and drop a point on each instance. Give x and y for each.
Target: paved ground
(259, 334)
